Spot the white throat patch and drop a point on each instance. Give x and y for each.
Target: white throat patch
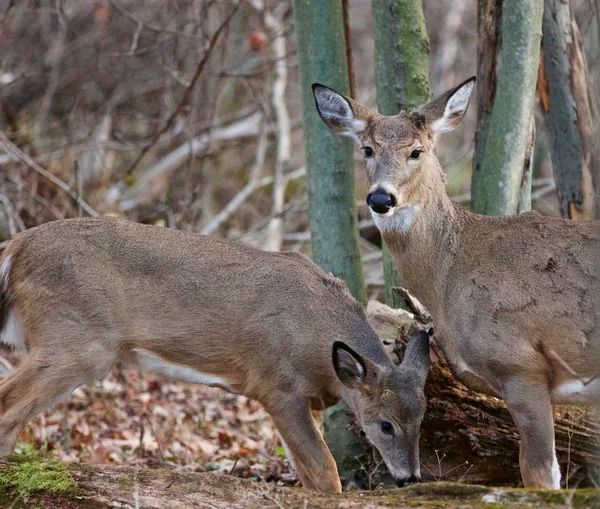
(401, 219)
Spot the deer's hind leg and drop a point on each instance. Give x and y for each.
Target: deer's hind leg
(529, 404)
(45, 377)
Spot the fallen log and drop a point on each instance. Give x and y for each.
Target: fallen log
(34, 482)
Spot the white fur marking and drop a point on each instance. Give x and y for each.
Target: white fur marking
(575, 392)
(159, 366)
(335, 107)
(461, 366)
(555, 472)
(5, 271)
(12, 334)
(457, 104)
(360, 369)
(489, 499)
(398, 219)
(287, 452)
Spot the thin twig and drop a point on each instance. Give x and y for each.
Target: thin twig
(202, 64)
(570, 435)
(13, 217)
(571, 371)
(275, 228)
(152, 28)
(158, 445)
(12, 149)
(463, 476)
(414, 305)
(247, 190)
(350, 63)
(247, 127)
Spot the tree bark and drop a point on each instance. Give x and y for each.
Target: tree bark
(508, 49)
(330, 168)
(569, 114)
(401, 80)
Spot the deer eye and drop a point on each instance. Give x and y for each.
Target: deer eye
(387, 427)
(415, 154)
(368, 151)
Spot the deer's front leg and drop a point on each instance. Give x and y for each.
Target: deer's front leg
(310, 456)
(529, 403)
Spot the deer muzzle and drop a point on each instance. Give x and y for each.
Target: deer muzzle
(381, 202)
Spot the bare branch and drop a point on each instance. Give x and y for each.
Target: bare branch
(571, 371)
(15, 151)
(152, 28)
(414, 305)
(201, 65)
(145, 188)
(275, 228)
(247, 190)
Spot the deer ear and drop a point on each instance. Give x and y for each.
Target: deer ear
(349, 366)
(445, 112)
(416, 356)
(341, 114)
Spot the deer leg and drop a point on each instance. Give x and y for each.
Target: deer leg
(314, 463)
(37, 384)
(318, 416)
(529, 404)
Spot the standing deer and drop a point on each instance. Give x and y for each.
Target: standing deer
(515, 299)
(80, 294)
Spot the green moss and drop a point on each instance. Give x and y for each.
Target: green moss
(125, 480)
(29, 474)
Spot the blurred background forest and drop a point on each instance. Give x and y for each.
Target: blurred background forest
(170, 113)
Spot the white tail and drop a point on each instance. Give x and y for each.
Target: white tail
(516, 300)
(81, 294)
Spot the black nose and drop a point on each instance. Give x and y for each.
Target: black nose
(380, 201)
(413, 479)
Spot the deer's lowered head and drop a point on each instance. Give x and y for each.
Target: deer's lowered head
(388, 402)
(399, 150)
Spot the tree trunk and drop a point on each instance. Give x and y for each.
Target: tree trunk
(569, 114)
(401, 79)
(330, 168)
(33, 483)
(508, 50)
(330, 178)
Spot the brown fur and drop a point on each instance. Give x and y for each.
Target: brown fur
(90, 291)
(509, 295)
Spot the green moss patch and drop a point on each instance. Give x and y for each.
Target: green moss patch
(32, 474)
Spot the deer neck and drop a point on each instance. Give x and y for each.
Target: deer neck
(424, 251)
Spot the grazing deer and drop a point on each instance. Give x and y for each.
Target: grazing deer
(515, 299)
(80, 294)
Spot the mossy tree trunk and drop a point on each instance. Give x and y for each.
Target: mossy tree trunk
(510, 32)
(329, 162)
(330, 177)
(569, 114)
(401, 79)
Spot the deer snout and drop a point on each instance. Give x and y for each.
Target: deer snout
(413, 479)
(380, 201)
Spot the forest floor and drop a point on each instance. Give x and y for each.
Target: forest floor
(132, 424)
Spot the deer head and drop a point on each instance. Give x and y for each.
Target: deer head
(400, 162)
(388, 402)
